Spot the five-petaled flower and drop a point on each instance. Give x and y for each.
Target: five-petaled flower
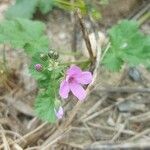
(73, 82)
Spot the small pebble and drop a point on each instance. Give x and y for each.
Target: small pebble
(134, 74)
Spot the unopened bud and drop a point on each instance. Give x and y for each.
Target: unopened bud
(55, 55)
(43, 56)
(51, 53)
(38, 67)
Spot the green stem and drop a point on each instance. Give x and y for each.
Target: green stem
(4, 59)
(68, 4)
(70, 53)
(145, 17)
(75, 62)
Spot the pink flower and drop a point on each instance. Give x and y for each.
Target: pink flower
(59, 113)
(75, 78)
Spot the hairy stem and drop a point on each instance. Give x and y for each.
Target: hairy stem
(75, 62)
(4, 59)
(85, 36)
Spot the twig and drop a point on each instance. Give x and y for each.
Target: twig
(26, 138)
(89, 131)
(73, 145)
(98, 113)
(145, 17)
(74, 33)
(123, 90)
(147, 131)
(85, 36)
(141, 118)
(5, 142)
(11, 133)
(92, 109)
(89, 88)
(103, 111)
(112, 146)
(128, 132)
(17, 147)
(140, 12)
(116, 136)
(55, 138)
(105, 51)
(33, 148)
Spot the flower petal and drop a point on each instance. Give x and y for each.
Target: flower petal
(84, 78)
(77, 90)
(59, 113)
(74, 70)
(64, 89)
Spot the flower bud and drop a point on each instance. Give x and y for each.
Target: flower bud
(51, 53)
(55, 56)
(43, 56)
(38, 67)
(59, 113)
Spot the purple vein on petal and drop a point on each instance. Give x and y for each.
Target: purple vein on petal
(78, 90)
(85, 78)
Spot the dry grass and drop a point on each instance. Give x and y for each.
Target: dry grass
(98, 123)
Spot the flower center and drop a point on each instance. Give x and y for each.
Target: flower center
(71, 79)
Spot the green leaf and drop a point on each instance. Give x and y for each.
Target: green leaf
(44, 107)
(23, 33)
(45, 5)
(112, 62)
(46, 101)
(128, 45)
(22, 9)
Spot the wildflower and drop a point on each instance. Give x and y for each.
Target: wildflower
(75, 78)
(59, 113)
(38, 67)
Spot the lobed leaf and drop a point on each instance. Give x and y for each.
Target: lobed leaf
(22, 9)
(128, 45)
(44, 107)
(23, 33)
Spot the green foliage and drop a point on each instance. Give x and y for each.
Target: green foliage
(22, 33)
(128, 45)
(26, 8)
(22, 9)
(48, 83)
(45, 5)
(44, 107)
(29, 35)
